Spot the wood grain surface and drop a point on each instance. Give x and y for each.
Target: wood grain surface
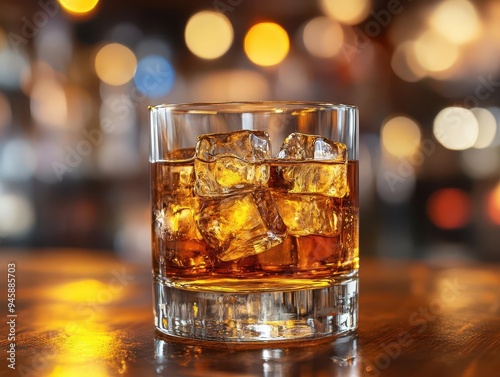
(88, 314)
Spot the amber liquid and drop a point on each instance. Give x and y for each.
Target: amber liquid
(182, 258)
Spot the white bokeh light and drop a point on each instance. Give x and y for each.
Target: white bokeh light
(16, 215)
(487, 127)
(456, 128)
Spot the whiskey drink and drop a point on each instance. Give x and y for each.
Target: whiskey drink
(300, 260)
(254, 239)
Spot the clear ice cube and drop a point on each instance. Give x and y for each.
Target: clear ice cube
(241, 225)
(227, 163)
(320, 165)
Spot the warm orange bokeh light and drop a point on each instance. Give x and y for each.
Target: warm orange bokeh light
(494, 205)
(115, 64)
(449, 208)
(78, 6)
(266, 44)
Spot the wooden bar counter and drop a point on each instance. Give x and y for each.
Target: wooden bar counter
(88, 314)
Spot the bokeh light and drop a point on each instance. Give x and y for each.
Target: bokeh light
(48, 104)
(434, 53)
(115, 64)
(208, 34)
(323, 37)
(349, 12)
(487, 127)
(266, 44)
(401, 136)
(456, 128)
(154, 76)
(78, 6)
(16, 215)
(456, 20)
(449, 208)
(495, 111)
(404, 63)
(493, 203)
(80, 105)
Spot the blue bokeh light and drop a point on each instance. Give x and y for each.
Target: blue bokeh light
(154, 76)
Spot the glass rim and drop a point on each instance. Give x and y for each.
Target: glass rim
(262, 107)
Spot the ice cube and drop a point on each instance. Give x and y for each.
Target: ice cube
(320, 165)
(178, 178)
(241, 225)
(174, 217)
(309, 214)
(227, 163)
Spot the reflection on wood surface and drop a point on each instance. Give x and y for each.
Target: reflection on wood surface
(81, 314)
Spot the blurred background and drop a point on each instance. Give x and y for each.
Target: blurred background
(76, 77)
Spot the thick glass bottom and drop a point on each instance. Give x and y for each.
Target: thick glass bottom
(304, 314)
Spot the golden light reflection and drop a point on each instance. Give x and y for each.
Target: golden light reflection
(115, 64)
(401, 136)
(87, 339)
(266, 44)
(434, 53)
(83, 290)
(208, 34)
(456, 20)
(78, 6)
(99, 352)
(323, 37)
(88, 345)
(95, 370)
(349, 12)
(456, 128)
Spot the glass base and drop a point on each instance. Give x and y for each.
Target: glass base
(257, 317)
